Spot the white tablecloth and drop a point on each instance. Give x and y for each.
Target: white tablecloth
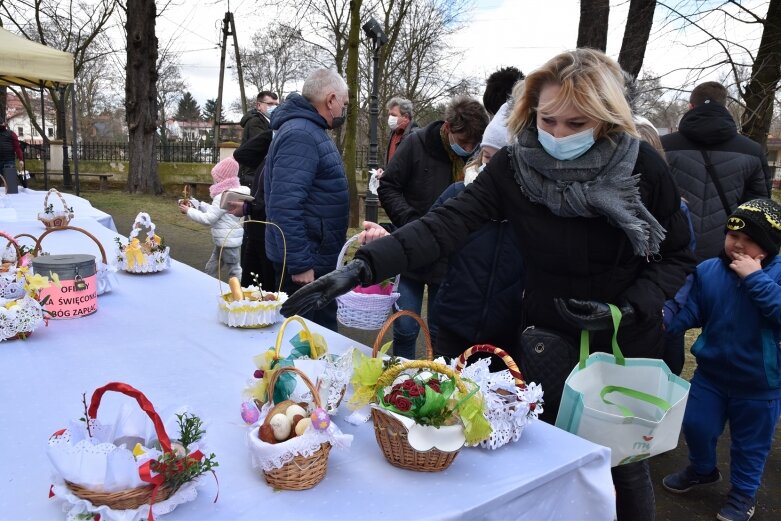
(160, 334)
(25, 206)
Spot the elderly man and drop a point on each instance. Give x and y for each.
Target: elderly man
(306, 187)
(399, 122)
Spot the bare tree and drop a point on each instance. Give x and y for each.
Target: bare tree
(350, 140)
(592, 29)
(638, 28)
(170, 87)
(141, 96)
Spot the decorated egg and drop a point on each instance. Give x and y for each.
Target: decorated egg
(320, 419)
(249, 413)
(13, 291)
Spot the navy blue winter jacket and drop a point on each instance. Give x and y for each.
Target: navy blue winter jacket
(305, 190)
(738, 348)
(481, 295)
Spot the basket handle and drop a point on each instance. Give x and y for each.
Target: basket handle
(12, 240)
(278, 344)
(299, 372)
(143, 402)
(38, 246)
(393, 372)
(186, 192)
(387, 325)
(501, 353)
(222, 246)
(343, 252)
(62, 199)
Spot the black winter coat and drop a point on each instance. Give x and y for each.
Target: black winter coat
(416, 175)
(578, 257)
(739, 163)
(480, 296)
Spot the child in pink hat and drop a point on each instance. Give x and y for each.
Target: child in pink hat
(227, 231)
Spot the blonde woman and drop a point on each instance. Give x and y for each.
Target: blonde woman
(596, 215)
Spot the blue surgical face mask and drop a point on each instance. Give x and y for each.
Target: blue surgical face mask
(566, 148)
(460, 151)
(270, 109)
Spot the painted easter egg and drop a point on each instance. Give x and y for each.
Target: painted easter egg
(320, 419)
(249, 413)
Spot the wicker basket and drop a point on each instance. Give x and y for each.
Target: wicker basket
(57, 218)
(153, 261)
(106, 277)
(134, 497)
(247, 313)
(302, 472)
(362, 310)
(494, 442)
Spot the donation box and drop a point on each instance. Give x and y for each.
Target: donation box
(76, 293)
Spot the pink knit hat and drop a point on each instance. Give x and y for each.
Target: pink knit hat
(225, 175)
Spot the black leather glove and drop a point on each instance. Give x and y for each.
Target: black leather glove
(317, 294)
(591, 315)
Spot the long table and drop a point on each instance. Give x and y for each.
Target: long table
(25, 206)
(160, 333)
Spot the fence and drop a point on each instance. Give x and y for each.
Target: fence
(181, 152)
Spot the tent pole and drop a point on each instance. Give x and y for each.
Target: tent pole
(75, 137)
(44, 143)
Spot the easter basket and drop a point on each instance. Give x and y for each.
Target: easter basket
(294, 457)
(309, 354)
(52, 218)
(107, 274)
(249, 307)
(21, 311)
(98, 474)
(510, 403)
(421, 420)
(365, 308)
(149, 256)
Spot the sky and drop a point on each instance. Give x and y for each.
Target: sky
(523, 33)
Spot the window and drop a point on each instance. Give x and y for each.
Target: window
(20, 131)
(50, 132)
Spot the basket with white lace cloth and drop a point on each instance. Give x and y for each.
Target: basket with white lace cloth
(107, 273)
(141, 254)
(511, 403)
(300, 461)
(128, 470)
(365, 308)
(20, 310)
(52, 218)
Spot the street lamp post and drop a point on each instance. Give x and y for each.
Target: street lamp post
(378, 38)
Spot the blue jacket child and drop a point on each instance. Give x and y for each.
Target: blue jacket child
(736, 299)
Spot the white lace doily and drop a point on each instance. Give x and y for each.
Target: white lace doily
(107, 277)
(507, 406)
(21, 316)
(153, 262)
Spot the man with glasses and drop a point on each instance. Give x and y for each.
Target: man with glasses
(254, 122)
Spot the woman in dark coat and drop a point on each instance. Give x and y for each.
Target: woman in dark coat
(594, 210)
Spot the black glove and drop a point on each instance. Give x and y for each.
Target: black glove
(317, 294)
(591, 315)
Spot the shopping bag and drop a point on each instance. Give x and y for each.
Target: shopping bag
(634, 406)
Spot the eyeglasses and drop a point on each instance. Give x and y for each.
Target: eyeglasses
(272, 102)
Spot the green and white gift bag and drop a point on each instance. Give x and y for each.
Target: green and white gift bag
(633, 406)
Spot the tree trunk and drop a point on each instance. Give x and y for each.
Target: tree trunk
(351, 129)
(62, 124)
(592, 28)
(141, 97)
(765, 75)
(638, 28)
(3, 100)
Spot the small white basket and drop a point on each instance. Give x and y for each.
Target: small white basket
(363, 310)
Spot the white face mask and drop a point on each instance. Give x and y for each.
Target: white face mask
(393, 122)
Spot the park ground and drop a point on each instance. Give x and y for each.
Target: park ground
(191, 244)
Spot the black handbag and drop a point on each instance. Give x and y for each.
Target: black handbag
(547, 358)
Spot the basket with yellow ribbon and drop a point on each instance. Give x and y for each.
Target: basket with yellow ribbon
(144, 251)
(423, 411)
(21, 305)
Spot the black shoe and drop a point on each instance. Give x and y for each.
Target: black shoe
(687, 479)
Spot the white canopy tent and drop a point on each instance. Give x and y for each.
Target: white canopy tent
(30, 64)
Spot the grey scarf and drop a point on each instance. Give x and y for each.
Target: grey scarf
(600, 182)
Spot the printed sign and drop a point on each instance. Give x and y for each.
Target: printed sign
(72, 299)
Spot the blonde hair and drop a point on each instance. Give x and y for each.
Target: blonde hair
(589, 80)
(649, 134)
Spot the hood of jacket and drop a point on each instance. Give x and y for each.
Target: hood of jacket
(708, 124)
(296, 106)
(252, 113)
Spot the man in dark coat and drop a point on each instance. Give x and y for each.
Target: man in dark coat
(254, 122)
(426, 163)
(306, 188)
(708, 134)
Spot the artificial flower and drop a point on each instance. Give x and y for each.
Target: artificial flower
(37, 282)
(366, 372)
